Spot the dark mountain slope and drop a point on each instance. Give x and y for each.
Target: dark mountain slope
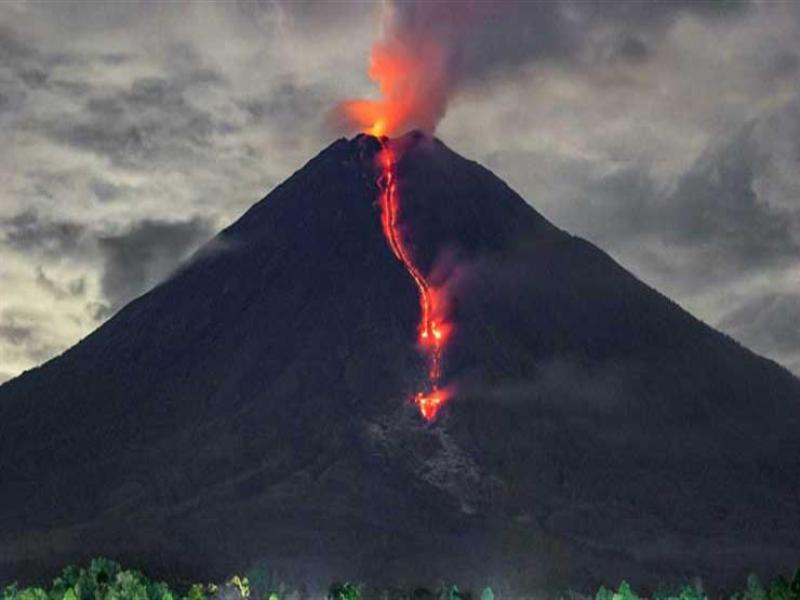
(255, 407)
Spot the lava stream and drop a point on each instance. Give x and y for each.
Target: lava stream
(432, 333)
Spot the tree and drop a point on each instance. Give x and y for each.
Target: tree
(343, 591)
(794, 587)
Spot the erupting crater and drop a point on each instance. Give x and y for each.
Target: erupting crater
(433, 330)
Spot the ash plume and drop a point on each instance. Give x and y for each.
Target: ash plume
(427, 52)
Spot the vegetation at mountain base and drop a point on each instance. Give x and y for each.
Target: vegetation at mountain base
(105, 579)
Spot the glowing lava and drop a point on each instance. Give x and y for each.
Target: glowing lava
(433, 330)
(411, 67)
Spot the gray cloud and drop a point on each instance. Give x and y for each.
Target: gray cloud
(15, 334)
(106, 191)
(487, 39)
(73, 288)
(784, 64)
(720, 220)
(722, 207)
(717, 205)
(303, 102)
(145, 254)
(22, 332)
(26, 70)
(29, 232)
(768, 324)
(150, 121)
(632, 48)
(11, 47)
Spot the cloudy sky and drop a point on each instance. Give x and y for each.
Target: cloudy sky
(668, 133)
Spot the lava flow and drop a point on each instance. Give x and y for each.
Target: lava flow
(433, 331)
(412, 76)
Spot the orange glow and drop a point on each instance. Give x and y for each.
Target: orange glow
(433, 329)
(378, 128)
(411, 77)
(429, 404)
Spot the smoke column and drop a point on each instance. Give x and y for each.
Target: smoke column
(413, 63)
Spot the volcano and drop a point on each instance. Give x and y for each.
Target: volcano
(258, 406)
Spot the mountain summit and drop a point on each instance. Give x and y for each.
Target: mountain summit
(256, 408)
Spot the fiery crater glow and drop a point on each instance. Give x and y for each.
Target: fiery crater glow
(433, 330)
(413, 81)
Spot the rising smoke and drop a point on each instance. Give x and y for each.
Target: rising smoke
(427, 52)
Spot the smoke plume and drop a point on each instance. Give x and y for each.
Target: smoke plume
(428, 51)
(414, 64)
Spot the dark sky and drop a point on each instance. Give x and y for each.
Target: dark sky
(666, 132)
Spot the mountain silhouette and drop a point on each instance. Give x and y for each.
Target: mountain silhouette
(255, 408)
